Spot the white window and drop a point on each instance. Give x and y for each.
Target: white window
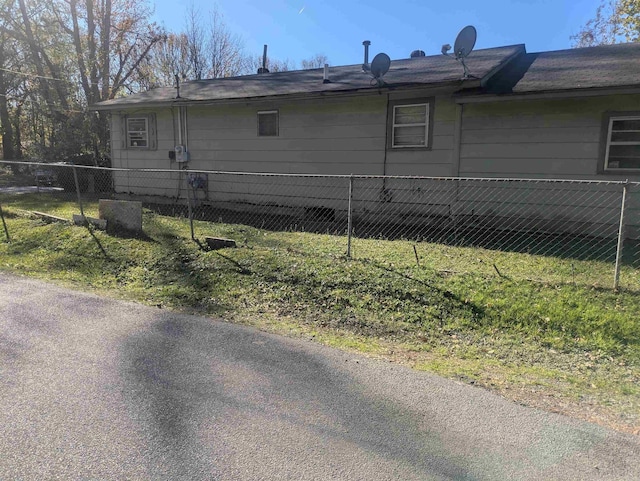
(268, 123)
(138, 132)
(410, 127)
(623, 143)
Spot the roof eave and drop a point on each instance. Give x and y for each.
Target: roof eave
(452, 85)
(547, 94)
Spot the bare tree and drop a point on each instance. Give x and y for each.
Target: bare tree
(214, 51)
(316, 61)
(111, 38)
(32, 25)
(196, 43)
(226, 51)
(6, 126)
(253, 63)
(76, 53)
(45, 83)
(168, 58)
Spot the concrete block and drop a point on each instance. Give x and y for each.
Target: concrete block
(125, 215)
(216, 243)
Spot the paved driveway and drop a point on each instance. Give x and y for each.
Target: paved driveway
(94, 388)
(29, 189)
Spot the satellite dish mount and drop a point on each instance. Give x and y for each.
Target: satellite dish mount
(465, 41)
(378, 67)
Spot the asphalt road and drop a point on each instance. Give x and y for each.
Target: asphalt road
(94, 388)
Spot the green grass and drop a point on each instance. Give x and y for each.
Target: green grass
(531, 340)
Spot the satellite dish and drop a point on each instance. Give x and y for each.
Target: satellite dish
(380, 65)
(465, 41)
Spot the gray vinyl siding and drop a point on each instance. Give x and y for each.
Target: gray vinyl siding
(436, 162)
(147, 183)
(538, 138)
(315, 137)
(141, 158)
(338, 136)
(348, 135)
(331, 136)
(558, 139)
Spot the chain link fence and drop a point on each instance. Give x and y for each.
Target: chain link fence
(547, 230)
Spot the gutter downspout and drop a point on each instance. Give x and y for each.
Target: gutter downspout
(180, 125)
(457, 141)
(386, 138)
(455, 171)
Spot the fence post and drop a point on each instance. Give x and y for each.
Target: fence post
(616, 279)
(189, 207)
(350, 217)
(4, 224)
(75, 179)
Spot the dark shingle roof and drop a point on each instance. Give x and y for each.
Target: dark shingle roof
(605, 66)
(429, 71)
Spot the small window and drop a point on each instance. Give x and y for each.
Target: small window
(268, 124)
(409, 124)
(623, 143)
(138, 132)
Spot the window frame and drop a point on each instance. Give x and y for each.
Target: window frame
(268, 112)
(607, 129)
(146, 132)
(151, 134)
(428, 102)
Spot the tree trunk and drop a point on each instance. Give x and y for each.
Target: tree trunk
(18, 133)
(6, 128)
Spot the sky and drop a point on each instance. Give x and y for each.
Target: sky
(299, 29)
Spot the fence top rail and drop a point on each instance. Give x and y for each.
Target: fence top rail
(326, 176)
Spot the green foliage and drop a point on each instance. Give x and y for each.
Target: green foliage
(615, 21)
(629, 13)
(381, 293)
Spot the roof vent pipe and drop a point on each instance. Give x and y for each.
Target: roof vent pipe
(365, 65)
(325, 78)
(417, 53)
(264, 68)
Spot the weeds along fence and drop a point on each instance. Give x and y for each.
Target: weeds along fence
(587, 231)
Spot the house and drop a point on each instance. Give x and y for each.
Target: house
(569, 114)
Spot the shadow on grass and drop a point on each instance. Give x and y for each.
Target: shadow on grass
(357, 295)
(521, 240)
(559, 245)
(475, 310)
(90, 230)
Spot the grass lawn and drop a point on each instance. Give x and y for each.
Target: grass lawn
(551, 343)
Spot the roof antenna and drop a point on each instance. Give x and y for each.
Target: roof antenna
(264, 68)
(465, 41)
(177, 77)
